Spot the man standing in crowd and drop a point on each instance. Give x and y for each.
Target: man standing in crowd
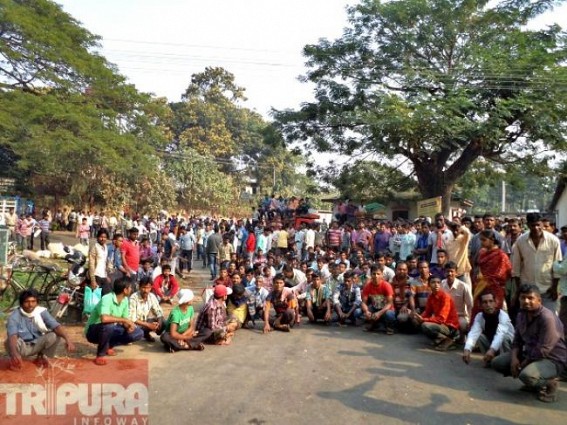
(532, 261)
(214, 242)
(131, 256)
(98, 263)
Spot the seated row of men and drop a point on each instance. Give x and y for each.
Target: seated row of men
(535, 353)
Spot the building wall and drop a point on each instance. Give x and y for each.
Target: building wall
(561, 210)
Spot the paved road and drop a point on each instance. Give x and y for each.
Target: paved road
(318, 374)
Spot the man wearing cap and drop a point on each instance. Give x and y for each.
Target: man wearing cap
(32, 331)
(180, 326)
(212, 324)
(539, 353)
(131, 255)
(109, 324)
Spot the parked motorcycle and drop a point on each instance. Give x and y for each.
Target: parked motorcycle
(71, 293)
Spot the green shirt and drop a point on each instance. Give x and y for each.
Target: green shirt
(108, 305)
(183, 320)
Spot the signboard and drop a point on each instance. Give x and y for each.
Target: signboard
(429, 207)
(4, 235)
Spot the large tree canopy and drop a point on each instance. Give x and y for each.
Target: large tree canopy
(214, 134)
(439, 82)
(70, 124)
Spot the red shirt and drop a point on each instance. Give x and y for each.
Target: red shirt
(251, 242)
(131, 254)
(161, 288)
(383, 290)
(440, 308)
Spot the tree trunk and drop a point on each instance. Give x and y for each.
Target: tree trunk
(433, 183)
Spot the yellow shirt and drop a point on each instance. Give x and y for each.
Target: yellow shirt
(282, 239)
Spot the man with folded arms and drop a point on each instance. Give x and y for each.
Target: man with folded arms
(109, 325)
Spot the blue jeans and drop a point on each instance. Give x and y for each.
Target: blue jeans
(110, 335)
(213, 264)
(388, 319)
(186, 260)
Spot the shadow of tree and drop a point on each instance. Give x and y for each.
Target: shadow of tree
(357, 399)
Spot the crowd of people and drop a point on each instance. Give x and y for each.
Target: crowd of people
(473, 282)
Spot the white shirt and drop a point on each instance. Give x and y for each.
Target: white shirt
(461, 293)
(535, 265)
(101, 257)
(310, 238)
(505, 330)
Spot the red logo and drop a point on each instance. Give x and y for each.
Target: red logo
(75, 392)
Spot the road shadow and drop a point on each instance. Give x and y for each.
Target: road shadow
(411, 357)
(356, 398)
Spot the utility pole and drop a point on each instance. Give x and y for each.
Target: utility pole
(503, 196)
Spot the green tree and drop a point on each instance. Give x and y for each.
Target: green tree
(199, 184)
(441, 83)
(365, 181)
(209, 118)
(68, 120)
(210, 122)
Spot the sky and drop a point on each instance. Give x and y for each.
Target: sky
(159, 44)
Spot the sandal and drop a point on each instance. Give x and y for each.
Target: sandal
(100, 361)
(283, 328)
(196, 347)
(42, 362)
(548, 393)
(110, 352)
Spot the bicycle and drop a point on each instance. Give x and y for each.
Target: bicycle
(42, 277)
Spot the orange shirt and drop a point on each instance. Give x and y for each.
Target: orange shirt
(440, 308)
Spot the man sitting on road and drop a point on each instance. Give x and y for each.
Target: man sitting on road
(404, 302)
(109, 325)
(180, 326)
(284, 302)
(492, 331)
(378, 302)
(439, 321)
(318, 301)
(347, 300)
(32, 331)
(145, 310)
(461, 292)
(212, 324)
(165, 286)
(420, 286)
(539, 353)
(257, 299)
